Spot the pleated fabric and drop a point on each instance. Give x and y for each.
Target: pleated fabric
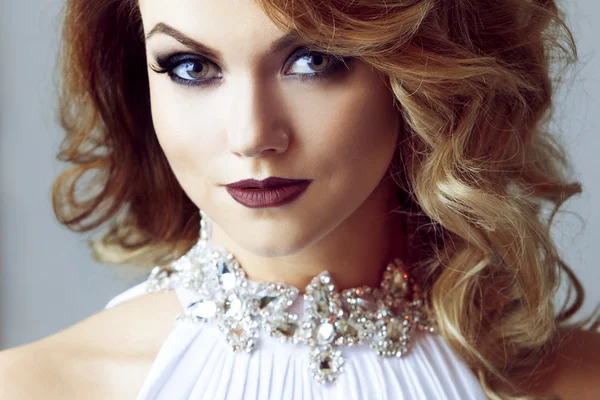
(196, 363)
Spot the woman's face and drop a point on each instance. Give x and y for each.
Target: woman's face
(245, 112)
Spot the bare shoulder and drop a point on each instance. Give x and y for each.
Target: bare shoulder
(19, 368)
(106, 355)
(575, 373)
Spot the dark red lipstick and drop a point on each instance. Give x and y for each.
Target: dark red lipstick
(271, 192)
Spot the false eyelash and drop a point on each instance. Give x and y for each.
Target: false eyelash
(166, 64)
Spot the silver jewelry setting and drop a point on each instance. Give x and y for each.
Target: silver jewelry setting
(383, 317)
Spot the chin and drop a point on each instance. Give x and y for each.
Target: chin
(276, 242)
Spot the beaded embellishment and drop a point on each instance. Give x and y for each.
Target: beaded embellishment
(381, 317)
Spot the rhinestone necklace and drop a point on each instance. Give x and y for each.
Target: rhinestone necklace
(381, 317)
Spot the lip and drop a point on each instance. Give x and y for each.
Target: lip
(271, 192)
(268, 183)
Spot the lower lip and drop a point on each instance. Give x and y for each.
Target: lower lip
(272, 197)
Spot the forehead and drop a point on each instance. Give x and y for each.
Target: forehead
(227, 24)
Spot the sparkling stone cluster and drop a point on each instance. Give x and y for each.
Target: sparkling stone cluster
(381, 317)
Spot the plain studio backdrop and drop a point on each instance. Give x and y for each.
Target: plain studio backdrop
(48, 280)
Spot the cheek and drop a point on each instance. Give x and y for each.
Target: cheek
(347, 135)
(182, 134)
(357, 135)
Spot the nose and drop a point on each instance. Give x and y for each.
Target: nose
(257, 120)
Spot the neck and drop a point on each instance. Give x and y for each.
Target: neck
(355, 253)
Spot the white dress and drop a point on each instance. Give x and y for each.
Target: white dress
(195, 362)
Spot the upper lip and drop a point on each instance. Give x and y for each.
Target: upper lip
(265, 183)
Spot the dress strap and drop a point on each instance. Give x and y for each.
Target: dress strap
(129, 294)
(186, 296)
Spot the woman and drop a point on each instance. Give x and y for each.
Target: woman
(343, 199)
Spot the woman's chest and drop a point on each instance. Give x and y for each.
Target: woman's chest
(196, 363)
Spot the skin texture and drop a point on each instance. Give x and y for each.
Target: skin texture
(260, 120)
(256, 122)
(105, 356)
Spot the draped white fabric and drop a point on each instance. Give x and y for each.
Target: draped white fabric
(194, 362)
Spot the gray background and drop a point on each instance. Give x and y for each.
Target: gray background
(47, 278)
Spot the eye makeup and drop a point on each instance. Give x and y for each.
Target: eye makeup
(169, 63)
(173, 63)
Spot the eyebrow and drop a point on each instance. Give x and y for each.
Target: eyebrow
(276, 46)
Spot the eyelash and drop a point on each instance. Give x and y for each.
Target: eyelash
(168, 63)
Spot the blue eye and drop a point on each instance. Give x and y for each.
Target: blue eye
(186, 69)
(193, 70)
(316, 61)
